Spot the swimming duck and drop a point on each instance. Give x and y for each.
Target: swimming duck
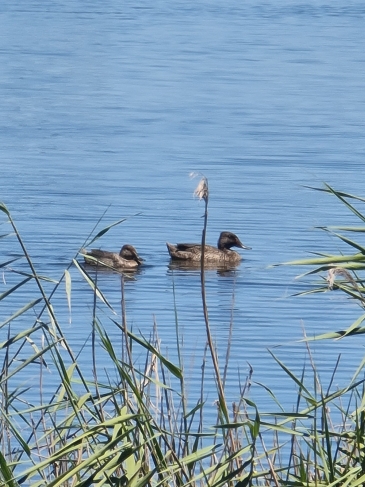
(220, 255)
(126, 259)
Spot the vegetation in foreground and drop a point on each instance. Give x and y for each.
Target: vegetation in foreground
(137, 428)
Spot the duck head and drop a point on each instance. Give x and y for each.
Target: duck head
(228, 239)
(128, 252)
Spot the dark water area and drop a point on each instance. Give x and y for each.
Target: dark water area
(106, 109)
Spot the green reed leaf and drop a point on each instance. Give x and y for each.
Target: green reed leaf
(93, 286)
(14, 288)
(349, 242)
(340, 193)
(341, 197)
(333, 259)
(68, 289)
(19, 336)
(290, 374)
(169, 365)
(6, 474)
(106, 229)
(343, 228)
(4, 209)
(21, 311)
(334, 335)
(4, 264)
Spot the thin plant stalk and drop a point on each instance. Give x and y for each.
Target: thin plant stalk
(182, 379)
(203, 192)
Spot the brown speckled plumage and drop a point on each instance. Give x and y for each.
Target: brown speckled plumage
(126, 259)
(220, 255)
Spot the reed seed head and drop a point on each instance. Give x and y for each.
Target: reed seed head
(339, 271)
(201, 191)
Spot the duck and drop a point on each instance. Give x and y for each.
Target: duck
(222, 254)
(126, 259)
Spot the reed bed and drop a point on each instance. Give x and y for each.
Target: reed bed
(138, 426)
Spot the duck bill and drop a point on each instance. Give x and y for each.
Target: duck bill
(139, 259)
(241, 246)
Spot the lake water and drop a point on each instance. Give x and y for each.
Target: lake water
(109, 107)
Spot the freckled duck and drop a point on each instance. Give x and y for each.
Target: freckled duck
(220, 255)
(126, 259)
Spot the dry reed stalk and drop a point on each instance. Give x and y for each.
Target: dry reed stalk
(202, 192)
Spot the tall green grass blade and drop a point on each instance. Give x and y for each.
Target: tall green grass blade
(148, 346)
(341, 193)
(355, 326)
(37, 277)
(270, 393)
(192, 412)
(68, 288)
(348, 241)
(291, 375)
(282, 429)
(255, 427)
(344, 228)
(327, 442)
(289, 415)
(349, 479)
(6, 475)
(4, 235)
(14, 288)
(333, 259)
(21, 311)
(199, 455)
(145, 481)
(4, 264)
(342, 198)
(106, 229)
(4, 209)
(14, 430)
(93, 286)
(333, 335)
(359, 371)
(110, 448)
(19, 336)
(30, 360)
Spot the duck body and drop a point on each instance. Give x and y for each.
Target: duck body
(222, 254)
(126, 259)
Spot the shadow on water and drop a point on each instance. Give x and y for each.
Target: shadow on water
(128, 274)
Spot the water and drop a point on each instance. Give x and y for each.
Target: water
(109, 108)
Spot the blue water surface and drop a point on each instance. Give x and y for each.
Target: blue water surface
(107, 109)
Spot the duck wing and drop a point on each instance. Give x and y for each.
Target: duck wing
(100, 254)
(195, 247)
(187, 246)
